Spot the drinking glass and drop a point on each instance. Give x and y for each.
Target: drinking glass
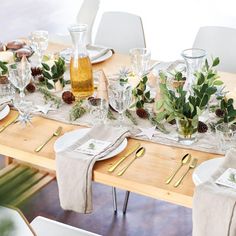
(193, 59)
(98, 109)
(6, 92)
(20, 76)
(39, 43)
(120, 98)
(226, 134)
(140, 61)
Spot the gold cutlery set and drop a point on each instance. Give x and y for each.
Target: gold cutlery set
(140, 151)
(184, 161)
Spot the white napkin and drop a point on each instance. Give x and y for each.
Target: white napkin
(74, 169)
(214, 212)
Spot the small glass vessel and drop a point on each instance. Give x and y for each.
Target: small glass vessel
(81, 74)
(193, 58)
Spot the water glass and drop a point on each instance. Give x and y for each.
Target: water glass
(20, 76)
(39, 43)
(98, 109)
(226, 135)
(6, 92)
(140, 61)
(120, 98)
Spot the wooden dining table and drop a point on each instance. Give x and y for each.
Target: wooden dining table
(146, 176)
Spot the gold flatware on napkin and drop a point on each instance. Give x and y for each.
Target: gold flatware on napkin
(9, 122)
(55, 134)
(128, 153)
(192, 165)
(185, 159)
(140, 152)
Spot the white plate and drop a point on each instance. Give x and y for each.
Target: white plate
(4, 112)
(66, 54)
(71, 137)
(205, 170)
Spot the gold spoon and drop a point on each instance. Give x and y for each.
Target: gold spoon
(185, 159)
(192, 165)
(55, 134)
(140, 152)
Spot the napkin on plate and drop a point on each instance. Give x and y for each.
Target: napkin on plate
(214, 211)
(74, 166)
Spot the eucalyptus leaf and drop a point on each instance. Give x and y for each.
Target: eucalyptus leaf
(46, 66)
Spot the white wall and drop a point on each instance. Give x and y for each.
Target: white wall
(170, 25)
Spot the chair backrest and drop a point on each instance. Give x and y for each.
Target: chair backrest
(120, 31)
(221, 42)
(87, 15)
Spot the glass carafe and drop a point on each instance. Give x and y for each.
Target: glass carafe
(81, 74)
(193, 58)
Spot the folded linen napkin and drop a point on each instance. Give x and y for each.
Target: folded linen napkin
(214, 212)
(74, 169)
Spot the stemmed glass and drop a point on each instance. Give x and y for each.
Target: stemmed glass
(140, 61)
(20, 76)
(120, 98)
(39, 43)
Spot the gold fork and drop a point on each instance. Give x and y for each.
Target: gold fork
(192, 165)
(55, 134)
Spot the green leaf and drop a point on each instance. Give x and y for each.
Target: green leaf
(218, 82)
(160, 116)
(49, 86)
(211, 90)
(47, 75)
(139, 92)
(216, 62)
(201, 79)
(139, 104)
(206, 65)
(159, 104)
(54, 69)
(204, 101)
(148, 95)
(232, 113)
(45, 66)
(145, 79)
(230, 101)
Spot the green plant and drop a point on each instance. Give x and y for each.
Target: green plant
(48, 96)
(3, 68)
(54, 73)
(184, 105)
(77, 110)
(141, 95)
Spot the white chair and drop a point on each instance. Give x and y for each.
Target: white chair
(86, 15)
(218, 42)
(120, 31)
(40, 226)
(43, 226)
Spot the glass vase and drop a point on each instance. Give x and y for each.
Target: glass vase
(81, 74)
(193, 59)
(187, 130)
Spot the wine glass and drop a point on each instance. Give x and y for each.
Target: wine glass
(120, 98)
(39, 43)
(140, 61)
(20, 76)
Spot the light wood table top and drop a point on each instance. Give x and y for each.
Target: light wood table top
(146, 176)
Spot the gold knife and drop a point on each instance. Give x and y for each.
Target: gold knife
(133, 149)
(12, 120)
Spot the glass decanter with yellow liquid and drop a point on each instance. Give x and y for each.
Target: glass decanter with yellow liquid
(81, 74)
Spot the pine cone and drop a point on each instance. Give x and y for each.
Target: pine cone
(219, 112)
(41, 79)
(68, 97)
(30, 88)
(142, 113)
(202, 127)
(4, 79)
(36, 71)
